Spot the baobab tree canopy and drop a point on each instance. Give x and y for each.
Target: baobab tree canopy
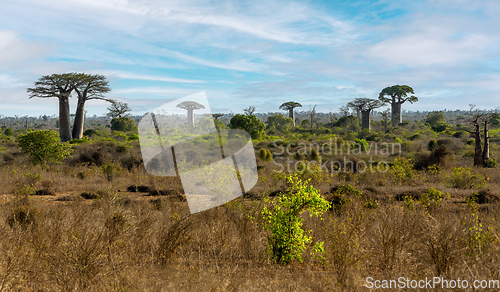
(289, 106)
(365, 106)
(87, 86)
(396, 95)
(190, 106)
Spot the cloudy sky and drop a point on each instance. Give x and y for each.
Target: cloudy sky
(259, 53)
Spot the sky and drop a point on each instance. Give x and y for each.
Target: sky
(253, 53)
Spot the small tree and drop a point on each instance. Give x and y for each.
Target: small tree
(118, 109)
(43, 146)
(287, 240)
(251, 124)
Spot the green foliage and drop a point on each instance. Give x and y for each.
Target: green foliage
(43, 146)
(123, 124)
(371, 204)
(91, 133)
(342, 196)
(478, 238)
(279, 122)
(251, 124)
(401, 171)
(8, 132)
(432, 144)
(431, 196)
(409, 203)
(435, 120)
(464, 178)
(265, 154)
(287, 240)
(361, 144)
(133, 137)
(110, 171)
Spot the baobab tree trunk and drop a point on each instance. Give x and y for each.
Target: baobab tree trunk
(478, 158)
(79, 120)
(64, 121)
(486, 150)
(396, 113)
(365, 119)
(291, 115)
(190, 117)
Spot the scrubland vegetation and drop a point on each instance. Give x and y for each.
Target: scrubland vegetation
(98, 222)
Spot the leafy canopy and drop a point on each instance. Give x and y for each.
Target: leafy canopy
(290, 105)
(251, 124)
(397, 94)
(43, 146)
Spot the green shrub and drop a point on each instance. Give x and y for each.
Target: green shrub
(123, 124)
(287, 240)
(110, 171)
(432, 144)
(43, 146)
(464, 178)
(8, 132)
(401, 171)
(431, 196)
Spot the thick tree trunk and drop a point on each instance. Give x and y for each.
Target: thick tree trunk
(486, 150)
(365, 119)
(291, 115)
(396, 113)
(478, 158)
(190, 117)
(79, 120)
(64, 121)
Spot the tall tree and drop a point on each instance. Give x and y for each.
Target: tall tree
(365, 106)
(87, 87)
(289, 106)
(60, 86)
(118, 109)
(481, 152)
(190, 106)
(396, 95)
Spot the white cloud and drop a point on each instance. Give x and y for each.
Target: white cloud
(14, 49)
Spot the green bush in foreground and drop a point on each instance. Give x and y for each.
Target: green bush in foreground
(287, 239)
(43, 146)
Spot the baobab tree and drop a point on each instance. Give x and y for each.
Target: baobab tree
(190, 106)
(87, 87)
(396, 95)
(289, 106)
(365, 106)
(60, 86)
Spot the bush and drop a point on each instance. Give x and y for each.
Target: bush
(123, 124)
(432, 144)
(8, 132)
(439, 156)
(43, 146)
(287, 240)
(464, 178)
(401, 171)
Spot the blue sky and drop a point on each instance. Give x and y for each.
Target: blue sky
(259, 53)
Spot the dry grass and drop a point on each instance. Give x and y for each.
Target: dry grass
(132, 241)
